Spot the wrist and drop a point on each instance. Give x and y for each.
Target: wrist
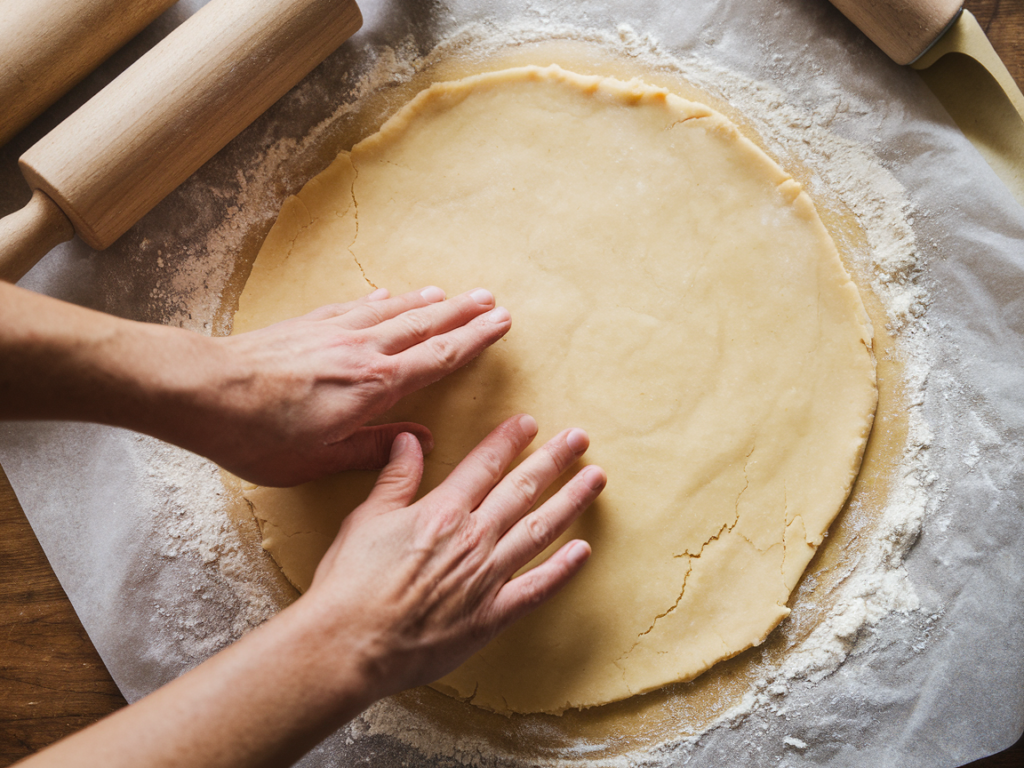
(163, 382)
(334, 655)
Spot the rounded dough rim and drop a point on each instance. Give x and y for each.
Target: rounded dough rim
(633, 93)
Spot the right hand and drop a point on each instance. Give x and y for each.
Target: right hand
(417, 588)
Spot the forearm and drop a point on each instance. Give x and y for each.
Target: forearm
(277, 406)
(264, 701)
(407, 591)
(61, 361)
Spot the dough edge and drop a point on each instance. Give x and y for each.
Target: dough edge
(296, 214)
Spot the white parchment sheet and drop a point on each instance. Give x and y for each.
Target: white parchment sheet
(936, 687)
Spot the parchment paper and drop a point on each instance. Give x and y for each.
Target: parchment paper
(936, 688)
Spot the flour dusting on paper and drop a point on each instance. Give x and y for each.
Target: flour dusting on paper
(196, 528)
(850, 173)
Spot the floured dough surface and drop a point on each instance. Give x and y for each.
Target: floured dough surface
(672, 291)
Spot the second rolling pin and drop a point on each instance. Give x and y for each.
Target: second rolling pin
(109, 163)
(47, 46)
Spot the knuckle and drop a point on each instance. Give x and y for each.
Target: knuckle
(364, 316)
(588, 493)
(537, 531)
(474, 540)
(444, 350)
(374, 314)
(416, 325)
(532, 594)
(576, 500)
(353, 352)
(525, 486)
(490, 462)
(374, 382)
(376, 371)
(561, 456)
(440, 525)
(515, 432)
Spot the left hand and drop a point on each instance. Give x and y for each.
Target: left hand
(294, 397)
(277, 406)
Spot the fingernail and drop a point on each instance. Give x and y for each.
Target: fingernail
(577, 440)
(399, 444)
(499, 316)
(427, 444)
(528, 424)
(380, 293)
(595, 478)
(482, 296)
(433, 294)
(578, 552)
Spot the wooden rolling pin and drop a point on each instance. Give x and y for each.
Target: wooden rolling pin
(109, 163)
(904, 29)
(47, 46)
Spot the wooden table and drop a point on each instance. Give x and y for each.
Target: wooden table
(52, 681)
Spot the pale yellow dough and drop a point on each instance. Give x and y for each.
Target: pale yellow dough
(672, 290)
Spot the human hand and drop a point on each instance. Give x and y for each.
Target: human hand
(294, 396)
(406, 592)
(414, 589)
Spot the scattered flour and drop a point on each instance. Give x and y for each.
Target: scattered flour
(230, 589)
(794, 742)
(235, 593)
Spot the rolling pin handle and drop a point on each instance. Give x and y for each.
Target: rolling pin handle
(29, 234)
(904, 29)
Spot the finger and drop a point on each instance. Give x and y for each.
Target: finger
(398, 482)
(374, 313)
(395, 488)
(370, 447)
(334, 310)
(418, 325)
(538, 530)
(518, 491)
(480, 471)
(438, 356)
(524, 593)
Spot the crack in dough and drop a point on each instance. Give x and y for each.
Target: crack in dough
(672, 290)
(355, 234)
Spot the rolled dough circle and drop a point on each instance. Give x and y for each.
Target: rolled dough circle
(673, 291)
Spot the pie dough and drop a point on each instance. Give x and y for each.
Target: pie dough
(672, 290)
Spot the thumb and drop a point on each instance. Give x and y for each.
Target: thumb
(395, 488)
(370, 447)
(398, 482)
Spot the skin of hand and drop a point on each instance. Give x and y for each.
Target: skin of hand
(298, 393)
(433, 579)
(407, 591)
(277, 406)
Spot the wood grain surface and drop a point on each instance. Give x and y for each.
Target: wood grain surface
(52, 681)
